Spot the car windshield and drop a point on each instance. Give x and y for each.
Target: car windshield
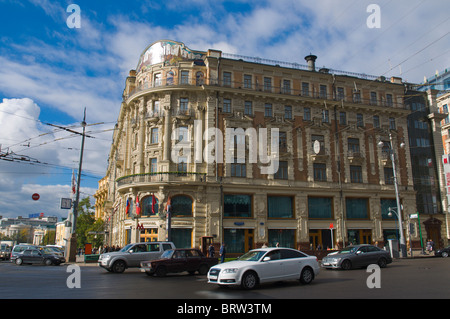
(253, 255)
(348, 250)
(167, 254)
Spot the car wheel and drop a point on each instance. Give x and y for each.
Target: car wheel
(19, 261)
(119, 267)
(203, 270)
(346, 265)
(249, 280)
(382, 262)
(306, 276)
(444, 254)
(47, 262)
(161, 271)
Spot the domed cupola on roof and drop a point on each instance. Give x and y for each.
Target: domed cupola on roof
(167, 52)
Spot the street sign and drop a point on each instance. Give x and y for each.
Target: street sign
(413, 216)
(331, 226)
(35, 196)
(66, 203)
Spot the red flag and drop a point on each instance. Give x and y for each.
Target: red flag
(168, 205)
(138, 207)
(73, 182)
(153, 204)
(127, 210)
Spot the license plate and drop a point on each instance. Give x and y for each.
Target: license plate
(213, 277)
(326, 264)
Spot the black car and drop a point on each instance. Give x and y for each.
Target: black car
(444, 252)
(38, 256)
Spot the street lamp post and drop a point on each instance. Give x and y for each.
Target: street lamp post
(397, 197)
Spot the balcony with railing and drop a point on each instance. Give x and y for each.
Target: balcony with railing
(160, 177)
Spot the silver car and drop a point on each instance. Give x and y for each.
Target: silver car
(357, 256)
(132, 255)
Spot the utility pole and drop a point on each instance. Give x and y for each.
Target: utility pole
(72, 249)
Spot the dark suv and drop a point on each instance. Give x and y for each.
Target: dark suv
(38, 256)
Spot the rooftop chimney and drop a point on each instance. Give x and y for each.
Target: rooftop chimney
(311, 59)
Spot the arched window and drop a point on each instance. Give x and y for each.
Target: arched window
(181, 205)
(150, 206)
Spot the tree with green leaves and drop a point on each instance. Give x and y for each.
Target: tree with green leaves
(87, 225)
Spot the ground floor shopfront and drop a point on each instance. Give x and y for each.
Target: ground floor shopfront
(243, 220)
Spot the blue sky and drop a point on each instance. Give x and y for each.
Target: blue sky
(49, 72)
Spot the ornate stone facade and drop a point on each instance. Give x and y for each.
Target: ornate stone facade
(173, 121)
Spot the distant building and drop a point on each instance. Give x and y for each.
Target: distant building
(333, 184)
(35, 228)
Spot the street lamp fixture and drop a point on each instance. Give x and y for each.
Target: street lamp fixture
(397, 197)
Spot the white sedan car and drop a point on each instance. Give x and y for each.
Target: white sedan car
(265, 265)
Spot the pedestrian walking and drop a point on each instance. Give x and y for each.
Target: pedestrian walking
(222, 253)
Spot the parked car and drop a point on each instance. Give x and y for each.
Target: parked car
(444, 252)
(357, 256)
(17, 249)
(265, 265)
(132, 255)
(5, 252)
(179, 260)
(38, 256)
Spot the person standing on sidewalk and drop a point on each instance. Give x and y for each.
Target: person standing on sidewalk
(222, 253)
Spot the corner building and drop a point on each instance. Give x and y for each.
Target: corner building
(334, 184)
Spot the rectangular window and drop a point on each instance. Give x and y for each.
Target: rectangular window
(357, 208)
(226, 79)
(247, 81)
(320, 172)
(306, 114)
(154, 137)
(342, 118)
(157, 80)
(237, 205)
(388, 176)
(268, 84)
(325, 116)
(238, 170)
(282, 142)
(356, 174)
(226, 106)
(305, 88)
(288, 112)
(376, 121)
(359, 120)
(340, 93)
(389, 101)
(248, 109)
(282, 172)
(268, 110)
(357, 96)
(392, 123)
(182, 166)
(184, 77)
(280, 207)
(323, 91)
(184, 104)
(373, 98)
(385, 205)
(320, 207)
(283, 237)
(153, 165)
(353, 145)
(286, 89)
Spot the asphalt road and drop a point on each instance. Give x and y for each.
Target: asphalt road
(421, 278)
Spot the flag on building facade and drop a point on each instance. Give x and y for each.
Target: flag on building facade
(127, 209)
(138, 206)
(153, 204)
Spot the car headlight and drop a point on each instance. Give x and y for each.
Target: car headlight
(335, 260)
(230, 270)
(105, 257)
